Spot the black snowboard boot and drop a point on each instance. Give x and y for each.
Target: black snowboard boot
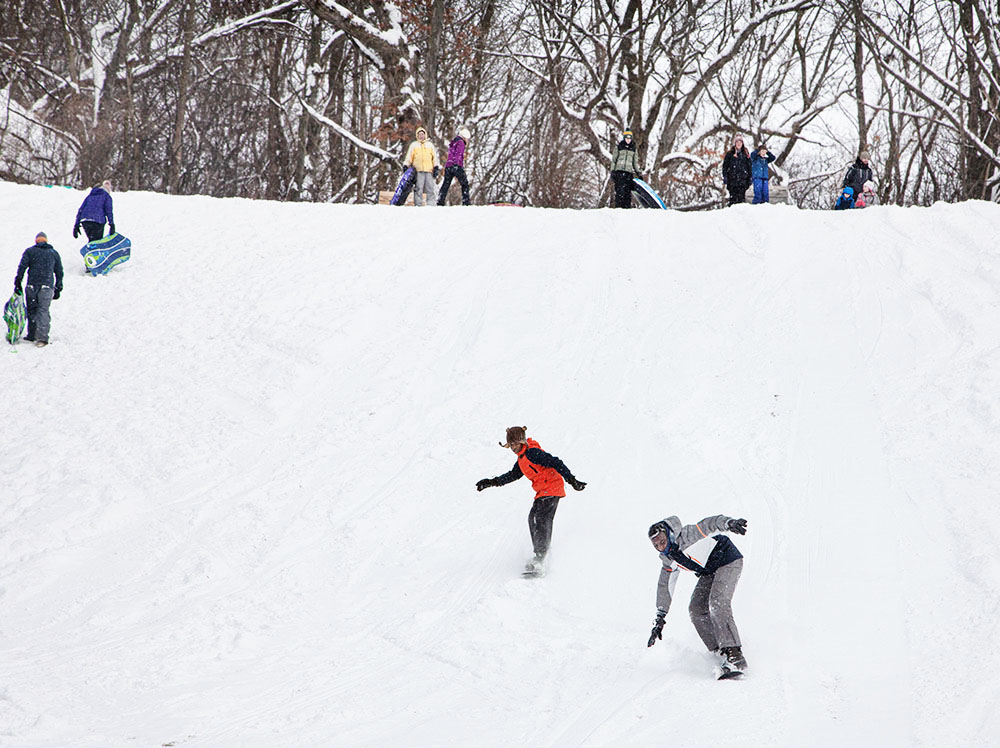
(734, 657)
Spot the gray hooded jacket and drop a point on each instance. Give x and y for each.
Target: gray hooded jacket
(697, 544)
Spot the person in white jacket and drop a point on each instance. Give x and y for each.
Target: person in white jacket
(717, 562)
(423, 157)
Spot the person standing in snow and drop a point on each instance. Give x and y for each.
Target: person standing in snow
(718, 563)
(422, 156)
(454, 167)
(761, 174)
(95, 209)
(736, 171)
(45, 282)
(859, 173)
(547, 473)
(624, 167)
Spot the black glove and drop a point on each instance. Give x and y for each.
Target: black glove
(578, 485)
(485, 483)
(437, 170)
(739, 526)
(112, 227)
(657, 632)
(76, 231)
(55, 294)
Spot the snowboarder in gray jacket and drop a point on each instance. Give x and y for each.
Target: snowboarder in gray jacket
(717, 562)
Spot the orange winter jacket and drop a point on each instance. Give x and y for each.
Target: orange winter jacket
(545, 480)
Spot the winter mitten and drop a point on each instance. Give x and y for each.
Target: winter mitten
(739, 526)
(485, 483)
(112, 227)
(76, 231)
(578, 485)
(55, 294)
(437, 170)
(657, 632)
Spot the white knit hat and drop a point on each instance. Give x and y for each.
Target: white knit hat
(465, 134)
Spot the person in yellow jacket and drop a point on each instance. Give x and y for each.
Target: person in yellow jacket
(423, 157)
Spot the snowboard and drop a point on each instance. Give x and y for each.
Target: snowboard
(728, 672)
(533, 569)
(14, 315)
(404, 187)
(102, 255)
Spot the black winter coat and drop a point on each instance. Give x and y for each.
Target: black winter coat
(856, 177)
(42, 263)
(736, 168)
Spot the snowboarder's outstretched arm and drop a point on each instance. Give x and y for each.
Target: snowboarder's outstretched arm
(501, 480)
(540, 457)
(691, 534)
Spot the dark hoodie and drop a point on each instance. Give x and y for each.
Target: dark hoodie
(42, 263)
(857, 175)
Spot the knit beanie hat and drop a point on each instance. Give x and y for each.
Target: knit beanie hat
(864, 156)
(465, 134)
(41, 235)
(515, 435)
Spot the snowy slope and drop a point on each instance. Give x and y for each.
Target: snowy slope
(237, 502)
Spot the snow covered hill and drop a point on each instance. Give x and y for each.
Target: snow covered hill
(238, 506)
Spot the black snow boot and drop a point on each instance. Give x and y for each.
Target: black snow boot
(734, 657)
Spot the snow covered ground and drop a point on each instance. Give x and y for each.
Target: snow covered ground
(238, 506)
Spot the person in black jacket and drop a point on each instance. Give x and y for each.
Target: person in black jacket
(45, 282)
(546, 473)
(858, 174)
(736, 171)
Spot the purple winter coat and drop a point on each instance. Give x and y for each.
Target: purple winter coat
(456, 153)
(96, 207)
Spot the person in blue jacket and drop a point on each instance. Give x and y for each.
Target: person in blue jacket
(759, 160)
(97, 207)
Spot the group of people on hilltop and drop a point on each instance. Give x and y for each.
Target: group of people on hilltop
(742, 169)
(858, 189)
(42, 264)
(700, 548)
(422, 156)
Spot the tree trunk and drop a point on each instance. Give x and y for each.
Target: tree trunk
(431, 67)
(177, 141)
(859, 72)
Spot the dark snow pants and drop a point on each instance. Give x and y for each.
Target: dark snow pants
(93, 230)
(454, 172)
(711, 606)
(543, 511)
(36, 302)
(623, 189)
(737, 193)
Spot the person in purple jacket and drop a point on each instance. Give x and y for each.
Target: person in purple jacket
(454, 167)
(95, 209)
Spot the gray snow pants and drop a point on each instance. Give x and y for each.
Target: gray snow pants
(36, 302)
(711, 606)
(424, 191)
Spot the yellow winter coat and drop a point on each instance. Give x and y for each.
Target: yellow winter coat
(423, 156)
